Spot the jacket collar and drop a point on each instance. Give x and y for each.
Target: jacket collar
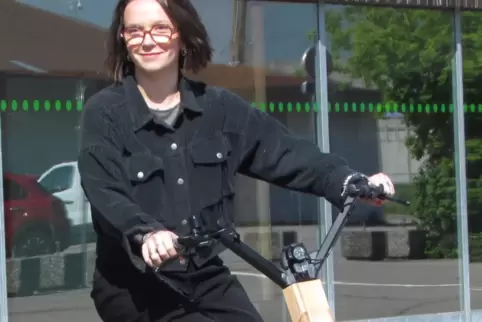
(137, 106)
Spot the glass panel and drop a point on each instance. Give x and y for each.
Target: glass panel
(261, 63)
(391, 100)
(43, 84)
(471, 26)
(44, 73)
(39, 120)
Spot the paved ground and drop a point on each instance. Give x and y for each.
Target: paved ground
(363, 290)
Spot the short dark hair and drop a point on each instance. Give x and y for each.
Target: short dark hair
(185, 18)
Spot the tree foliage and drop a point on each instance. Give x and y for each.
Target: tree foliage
(407, 55)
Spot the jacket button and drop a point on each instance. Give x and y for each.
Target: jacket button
(219, 155)
(173, 146)
(180, 181)
(140, 174)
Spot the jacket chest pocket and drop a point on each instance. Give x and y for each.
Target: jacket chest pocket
(146, 172)
(141, 167)
(212, 176)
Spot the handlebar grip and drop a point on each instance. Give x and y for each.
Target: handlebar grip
(180, 250)
(178, 245)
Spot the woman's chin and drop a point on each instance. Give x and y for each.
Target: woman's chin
(154, 66)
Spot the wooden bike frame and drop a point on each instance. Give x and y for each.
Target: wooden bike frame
(307, 302)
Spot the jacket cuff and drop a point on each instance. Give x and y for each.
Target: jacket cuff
(132, 245)
(333, 186)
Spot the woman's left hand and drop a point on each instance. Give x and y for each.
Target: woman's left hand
(381, 179)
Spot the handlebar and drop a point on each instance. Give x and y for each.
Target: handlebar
(372, 192)
(295, 258)
(191, 244)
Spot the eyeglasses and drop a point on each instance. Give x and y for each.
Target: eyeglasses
(161, 34)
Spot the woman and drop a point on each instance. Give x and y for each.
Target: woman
(157, 147)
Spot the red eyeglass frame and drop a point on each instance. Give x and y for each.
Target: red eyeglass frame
(145, 32)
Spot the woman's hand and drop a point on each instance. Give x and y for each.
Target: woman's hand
(158, 246)
(381, 179)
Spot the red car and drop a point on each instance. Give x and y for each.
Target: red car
(36, 222)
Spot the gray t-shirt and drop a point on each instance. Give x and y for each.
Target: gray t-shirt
(168, 116)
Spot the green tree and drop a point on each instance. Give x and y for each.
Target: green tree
(407, 55)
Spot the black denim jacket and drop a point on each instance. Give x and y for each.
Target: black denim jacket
(141, 176)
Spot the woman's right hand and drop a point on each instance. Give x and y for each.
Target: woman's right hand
(158, 246)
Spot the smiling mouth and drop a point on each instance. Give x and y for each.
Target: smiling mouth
(151, 54)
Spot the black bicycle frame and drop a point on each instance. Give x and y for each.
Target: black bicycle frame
(232, 241)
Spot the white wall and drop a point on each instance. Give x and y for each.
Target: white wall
(395, 158)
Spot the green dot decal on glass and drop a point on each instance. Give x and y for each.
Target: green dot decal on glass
(58, 106)
(54, 105)
(36, 105)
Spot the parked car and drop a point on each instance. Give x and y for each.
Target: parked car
(36, 222)
(63, 181)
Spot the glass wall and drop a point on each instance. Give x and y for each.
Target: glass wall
(390, 99)
(49, 64)
(48, 72)
(471, 22)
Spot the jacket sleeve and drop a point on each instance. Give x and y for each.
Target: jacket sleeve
(270, 152)
(105, 180)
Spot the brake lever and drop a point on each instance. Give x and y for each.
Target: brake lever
(384, 196)
(396, 200)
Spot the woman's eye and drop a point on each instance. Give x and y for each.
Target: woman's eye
(161, 29)
(133, 31)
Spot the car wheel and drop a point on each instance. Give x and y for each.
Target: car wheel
(32, 242)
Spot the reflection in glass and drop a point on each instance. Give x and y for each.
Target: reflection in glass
(40, 99)
(44, 230)
(265, 69)
(391, 87)
(43, 85)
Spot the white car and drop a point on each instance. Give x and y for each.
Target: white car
(63, 181)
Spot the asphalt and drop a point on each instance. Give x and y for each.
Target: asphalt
(363, 290)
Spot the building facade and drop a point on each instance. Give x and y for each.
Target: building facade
(394, 87)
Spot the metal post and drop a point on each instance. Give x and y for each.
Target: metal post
(80, 97)
(3, 254)
(323, 139)
(460, 169)
(238, 48)
(262, 188)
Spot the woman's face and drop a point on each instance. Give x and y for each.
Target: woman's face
(151, 39)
